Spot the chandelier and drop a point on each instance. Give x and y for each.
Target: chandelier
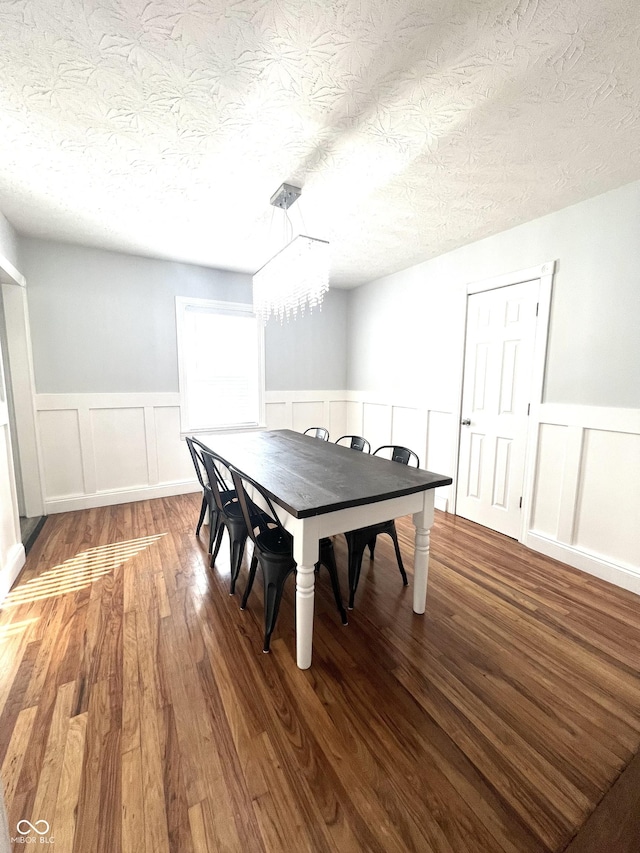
(297, 276)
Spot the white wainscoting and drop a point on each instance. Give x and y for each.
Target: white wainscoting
(585, 501)
(101, 449)
(585, 509)
(429, 433)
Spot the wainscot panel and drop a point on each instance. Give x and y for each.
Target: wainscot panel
(104, 449)
(586, 506)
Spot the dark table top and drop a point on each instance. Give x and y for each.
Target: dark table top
(309, 477)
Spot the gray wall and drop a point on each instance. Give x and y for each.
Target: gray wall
(309, 352)
(406, 330)
(105, 322)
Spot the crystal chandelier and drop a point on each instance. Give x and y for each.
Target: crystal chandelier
(297, 276)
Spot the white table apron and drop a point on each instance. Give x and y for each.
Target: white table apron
(308, 531)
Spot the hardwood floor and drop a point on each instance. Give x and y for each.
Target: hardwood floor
(137, 711)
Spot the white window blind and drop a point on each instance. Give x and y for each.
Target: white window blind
(220, 354)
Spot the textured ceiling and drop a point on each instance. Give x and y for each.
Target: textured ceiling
(162, 127)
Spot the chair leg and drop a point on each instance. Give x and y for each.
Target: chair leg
(237, 551)
(252, 577)
(214, 523)
(394, 536)
(328, 559)
(203, 509)
(273, 589)
(214, 553)
(372, 546)
(356, 552)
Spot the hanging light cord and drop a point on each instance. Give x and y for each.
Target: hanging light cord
(304, 224)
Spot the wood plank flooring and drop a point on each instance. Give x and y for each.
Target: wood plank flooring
(138, 713)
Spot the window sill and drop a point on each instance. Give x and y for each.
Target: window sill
(221, 430)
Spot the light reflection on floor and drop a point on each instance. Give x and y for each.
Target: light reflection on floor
(13, 629)
(78, 572)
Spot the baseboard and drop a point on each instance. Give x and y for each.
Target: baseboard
(29, 541)
(441, 503)
(593, 565)
(119, 496)
(10, 572)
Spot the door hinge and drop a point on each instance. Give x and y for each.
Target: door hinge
(537, 306)
(528, 408)
(520, 503)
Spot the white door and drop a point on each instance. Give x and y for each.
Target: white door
(497, 384)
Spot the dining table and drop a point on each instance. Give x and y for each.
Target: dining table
(321, 489)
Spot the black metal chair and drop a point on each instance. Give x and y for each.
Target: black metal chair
(355, 442)
(273, 549)
(208, 501)
(358, 540)
(318, 432)
(229, 513)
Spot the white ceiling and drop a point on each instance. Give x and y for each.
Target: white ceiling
(162, 127)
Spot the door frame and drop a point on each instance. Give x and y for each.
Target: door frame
(544, 272)
(13, 287)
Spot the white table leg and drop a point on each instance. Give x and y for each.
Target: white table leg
(305, 552)
(305, 580)
(423, 521)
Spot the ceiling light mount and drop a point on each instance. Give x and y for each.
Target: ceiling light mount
(285, 196)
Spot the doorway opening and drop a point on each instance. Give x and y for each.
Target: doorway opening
(30, 526)
(15, 352)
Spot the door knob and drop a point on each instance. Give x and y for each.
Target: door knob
(466, 422)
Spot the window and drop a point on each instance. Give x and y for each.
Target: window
(220, 358)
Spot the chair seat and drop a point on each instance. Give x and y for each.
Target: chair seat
(233, 510)
(275, 541)
(274, 551)
(228, 497)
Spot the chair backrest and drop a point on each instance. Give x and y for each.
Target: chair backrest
(216, 467)
(400, 454)
(355, 442)
(252, 519)
(318, 432)
(198, 463)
